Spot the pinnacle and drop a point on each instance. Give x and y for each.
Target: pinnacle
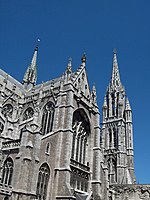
(83, 59)
(105, 102)
(69, 66)
(128, 107)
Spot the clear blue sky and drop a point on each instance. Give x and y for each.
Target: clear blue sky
(69, 28)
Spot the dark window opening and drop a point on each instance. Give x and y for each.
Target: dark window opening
(43, 178)
(7, 172)
(47, 118)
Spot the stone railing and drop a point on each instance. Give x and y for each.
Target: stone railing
(79, 165)
(5, 189)
(15, 144)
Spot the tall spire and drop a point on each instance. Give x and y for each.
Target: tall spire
(30, 76)
(115, 79)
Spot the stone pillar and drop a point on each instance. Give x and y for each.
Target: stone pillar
(97, 158)
(24, 177)
(65, 137)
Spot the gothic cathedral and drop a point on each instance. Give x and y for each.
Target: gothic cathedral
(52, 146)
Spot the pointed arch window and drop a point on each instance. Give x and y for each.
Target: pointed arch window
(79, 165)
(6, 198)
(7, 172)
(110, 138)
(115, 138)
(113, 104)
(43, 179)
(47, 118)
(29, 112)
(112, 170)
(1, 127)
(47, 150)
(7, 110)
(81, 129)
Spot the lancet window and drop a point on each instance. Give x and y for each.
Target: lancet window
(47, 150)
(113, 104)
(47, 118)
(43, 179)
(7, 172)
(29, 112)
(113, 138)
(110, 138)
(7, 110)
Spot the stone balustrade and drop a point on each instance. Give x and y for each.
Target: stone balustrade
(5, 189)
(15, 144)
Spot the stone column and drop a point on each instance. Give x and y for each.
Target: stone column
(97, 158)
(65, 127)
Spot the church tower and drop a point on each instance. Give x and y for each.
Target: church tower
(117, 131)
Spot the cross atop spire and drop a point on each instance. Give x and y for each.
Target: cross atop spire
(115, 79)
(30, 76)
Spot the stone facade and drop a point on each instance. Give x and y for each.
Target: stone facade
(52, 146)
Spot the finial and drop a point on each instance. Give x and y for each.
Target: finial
(115, 51)
(37, 45)
(94, 88)
(38, 42)
(70, 62)
(83, 59)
